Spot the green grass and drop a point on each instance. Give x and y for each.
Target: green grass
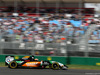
(87, 67)
(2, 64)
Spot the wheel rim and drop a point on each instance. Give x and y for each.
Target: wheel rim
(55, 66)
(13, 65)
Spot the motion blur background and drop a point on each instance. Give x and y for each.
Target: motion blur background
(50, 27)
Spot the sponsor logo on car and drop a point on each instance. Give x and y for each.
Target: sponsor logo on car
(35, 63)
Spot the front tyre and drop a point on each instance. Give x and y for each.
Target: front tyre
(55, 66)
(13, 65)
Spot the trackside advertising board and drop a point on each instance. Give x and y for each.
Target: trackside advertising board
(64, 60)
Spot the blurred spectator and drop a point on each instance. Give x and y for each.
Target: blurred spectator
(45, 29)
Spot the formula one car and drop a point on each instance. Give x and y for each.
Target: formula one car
(29, 61)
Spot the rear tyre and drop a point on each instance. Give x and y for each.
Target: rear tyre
(13, 65)
(55, 66)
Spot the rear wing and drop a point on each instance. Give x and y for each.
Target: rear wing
(8, 59)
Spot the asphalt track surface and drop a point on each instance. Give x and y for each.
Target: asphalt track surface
(7, 71)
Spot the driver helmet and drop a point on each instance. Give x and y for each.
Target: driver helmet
(33, 57)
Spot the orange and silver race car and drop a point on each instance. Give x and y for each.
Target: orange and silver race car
(29, 61)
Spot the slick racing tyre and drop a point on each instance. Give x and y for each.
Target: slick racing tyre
(55, 66)
(13, 65)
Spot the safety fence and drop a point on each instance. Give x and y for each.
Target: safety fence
(14, 44)
(51, 49)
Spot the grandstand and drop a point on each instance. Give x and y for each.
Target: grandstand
(48, 27)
